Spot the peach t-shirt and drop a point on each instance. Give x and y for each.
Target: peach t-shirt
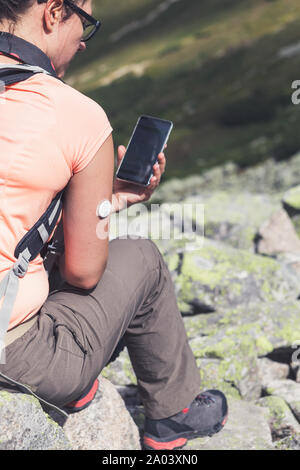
(49, 131)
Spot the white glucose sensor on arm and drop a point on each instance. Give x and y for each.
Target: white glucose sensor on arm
(104, 209)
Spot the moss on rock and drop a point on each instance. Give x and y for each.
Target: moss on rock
(292, 198)
(221, 276)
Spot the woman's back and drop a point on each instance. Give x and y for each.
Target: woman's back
(49, 132)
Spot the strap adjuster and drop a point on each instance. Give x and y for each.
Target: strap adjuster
(21, 265)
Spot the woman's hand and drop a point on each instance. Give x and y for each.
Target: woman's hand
(126, 194)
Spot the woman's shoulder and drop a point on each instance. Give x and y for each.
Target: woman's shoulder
(64, 97)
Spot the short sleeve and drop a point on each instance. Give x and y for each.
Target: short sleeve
(83, 127)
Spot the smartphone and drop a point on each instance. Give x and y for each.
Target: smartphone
(149, 138)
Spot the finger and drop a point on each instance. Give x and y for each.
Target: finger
(156, 169)
(153, 183)
(162, 162)
(157, 172)
(121, 152)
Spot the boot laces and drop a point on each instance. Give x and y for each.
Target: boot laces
(203, 399)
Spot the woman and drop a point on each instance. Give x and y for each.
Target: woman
(58, 343)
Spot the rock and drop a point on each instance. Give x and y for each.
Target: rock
(280, 418)
(290, 262)
(220, 276)
(228, 344)
(296, 222)
(278, 235)
(104, 425)
(291, 198)
(213, 372)
(291, 202)
(25, 426)
(270, 177)
(134, 405)
(289, 391)
(246, 429)
(295, 361)
(137, 221)
(236, 368)
(267, 326)
(288, 443)
(271, 370)
(235, 218)
(222, 216)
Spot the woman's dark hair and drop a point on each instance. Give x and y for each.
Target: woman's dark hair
(13, 10)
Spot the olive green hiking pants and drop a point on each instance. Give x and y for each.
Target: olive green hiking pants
(78, 330)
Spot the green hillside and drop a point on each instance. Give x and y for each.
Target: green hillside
(221, 70)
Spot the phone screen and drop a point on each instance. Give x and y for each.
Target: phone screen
(147, 141)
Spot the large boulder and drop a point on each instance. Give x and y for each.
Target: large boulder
(104, 425)
(278, 235)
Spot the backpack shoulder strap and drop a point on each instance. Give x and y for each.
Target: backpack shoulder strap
(11, 73)
(26, 250)
(39, 234)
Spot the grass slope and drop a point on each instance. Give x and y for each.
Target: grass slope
(219, 69)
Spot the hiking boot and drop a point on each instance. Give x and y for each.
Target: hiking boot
(206, 416)
(84, 400)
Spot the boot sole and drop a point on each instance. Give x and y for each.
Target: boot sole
(152, 443)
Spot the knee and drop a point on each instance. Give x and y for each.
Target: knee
(138, 248)
(150, 252)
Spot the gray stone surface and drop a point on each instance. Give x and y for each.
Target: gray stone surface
(278, 235)
(24, 425)
(215, 275)
(104, 425)
(270, 370)
(289, 391)
(270, 177)
(281, 420)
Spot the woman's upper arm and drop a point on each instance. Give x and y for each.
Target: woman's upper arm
(86, 254)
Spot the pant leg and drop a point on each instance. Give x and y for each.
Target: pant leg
(157, 343)
(134, 299)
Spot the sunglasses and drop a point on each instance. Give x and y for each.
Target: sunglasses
(90, 24)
